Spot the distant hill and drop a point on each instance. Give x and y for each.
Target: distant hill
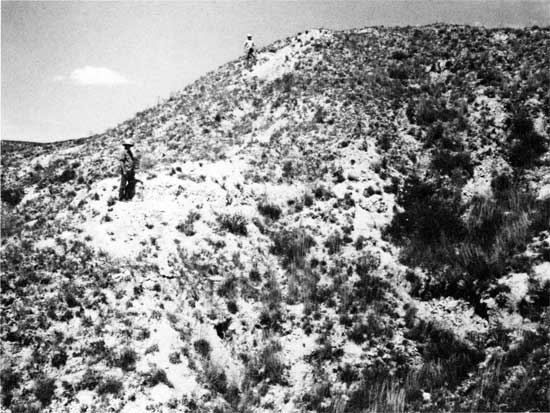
(360, 222)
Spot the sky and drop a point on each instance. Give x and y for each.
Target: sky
(71, 69)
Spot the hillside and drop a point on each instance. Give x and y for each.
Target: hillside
(359, 223)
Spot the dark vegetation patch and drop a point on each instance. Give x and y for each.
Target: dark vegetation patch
(234, 223)
(526, 144)
(292, 245)
(270, 210)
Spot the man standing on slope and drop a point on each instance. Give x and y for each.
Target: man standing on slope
(250, 50)
(128, 166)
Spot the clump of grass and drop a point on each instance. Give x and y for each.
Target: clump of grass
(527, 144)
(234, 223)
(202, 346)
(322, 193)
(216, 378)
(386, 396)
(398, 72)
(271, 313)
(59, 359)
(44, 390)
(270, 210)
(12, 195)
(109, 385)
(156, 376)
(292, 245)
(10, 380)
(334, 243)
(440, 346)
(152, 349)
(266, 364)
(366, 328)
(188, 226)
(126, 360)
(90, 380)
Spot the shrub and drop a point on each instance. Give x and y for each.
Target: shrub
(188, 226)
(308, 199)
(10, 380)
(431, 211)
(522, 371)
(109, 385)
(334, 243)
(156, 376)
(90, 380)
(441, 346)
(126, 360)
(319, 116)
(215, 376)
(527, 145)
(288, 170)
(377, 396)
(270, 210)
(152, 349)
(292, 245)
(234, 223)
(44, 390)
(59, 359)
(267, 365)
(399, 55)
(359, 242)
(426, 113)
(322, 193)
(202, 346)
(533, 305)
(372, 326)
(446, 162)
(489, 76)
(12, 196)
(271, 314)
(398, 72)
(147, 162)
(10, 224)
(67, 175)
(369, 288)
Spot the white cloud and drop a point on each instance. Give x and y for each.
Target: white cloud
(89, 75)
(58, 78)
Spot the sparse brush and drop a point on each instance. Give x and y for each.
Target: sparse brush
(12, 196)
(234, 223)
(292, 245)
(527, 144)
(215, 377)
(109, 385)
(147, 162)
(271, 313)
(10, 381)
(156, 376)
(44, 390)
(59, 359)
(152, 349)
(202, 346)
(373, 396)
(126, 360)
(270, 210)
(188, 226)
(334, 243)
(267, 364)
(90, 380)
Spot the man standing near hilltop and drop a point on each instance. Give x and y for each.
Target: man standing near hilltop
(250, 50)
(128, 165)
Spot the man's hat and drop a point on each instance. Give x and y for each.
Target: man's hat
(128, 142)
(248, 35)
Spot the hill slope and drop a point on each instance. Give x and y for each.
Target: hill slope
(359, 222)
